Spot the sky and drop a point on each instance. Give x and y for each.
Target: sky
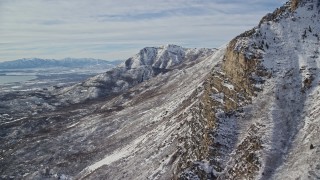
(118, 29)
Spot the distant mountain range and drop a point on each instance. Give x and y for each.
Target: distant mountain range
(248, 110)
(51, 63)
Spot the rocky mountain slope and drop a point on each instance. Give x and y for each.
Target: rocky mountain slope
(277, 65)
(249, 110)
(149, 62)
(123, 118)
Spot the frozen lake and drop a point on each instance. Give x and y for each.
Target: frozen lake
(10, 79)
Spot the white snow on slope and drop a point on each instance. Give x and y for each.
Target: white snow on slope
(161, 109)
(287, 107)
(149, 62)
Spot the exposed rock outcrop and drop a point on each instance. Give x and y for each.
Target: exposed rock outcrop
(247, 111)
(294, 4)
(235, 83)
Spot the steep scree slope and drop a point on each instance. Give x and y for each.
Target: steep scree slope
(133, 135)
(247, 111)
(268, 121)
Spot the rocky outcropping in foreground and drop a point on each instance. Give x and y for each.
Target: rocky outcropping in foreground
(249, 110)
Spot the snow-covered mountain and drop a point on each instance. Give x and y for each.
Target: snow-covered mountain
(249, 110)
(164, 57)
(148, 63)
(53, 63)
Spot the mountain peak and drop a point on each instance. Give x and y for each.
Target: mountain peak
(170, 46)
(247, 111)
(147, 63)
(162, 57)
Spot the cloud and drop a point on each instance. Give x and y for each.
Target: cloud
(109, 29)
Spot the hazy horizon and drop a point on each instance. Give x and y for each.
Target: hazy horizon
(113, 30)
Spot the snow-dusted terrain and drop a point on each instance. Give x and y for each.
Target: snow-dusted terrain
(109, 132)
(287, 111)
(148, 63)
(293, 58)
(250, 110)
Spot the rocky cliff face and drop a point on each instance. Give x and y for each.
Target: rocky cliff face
(247, 111)
(257, 96)
(294, 4)
(136, 134)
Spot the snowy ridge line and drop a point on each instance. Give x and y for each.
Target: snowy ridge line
(147, 64)
(128, 150)
(289, 47)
